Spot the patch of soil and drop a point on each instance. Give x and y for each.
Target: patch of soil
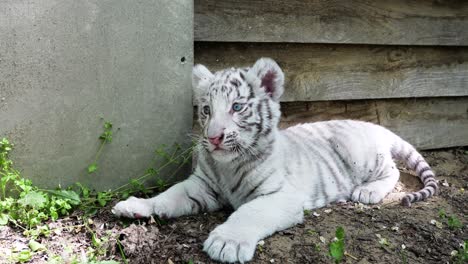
(181, 240)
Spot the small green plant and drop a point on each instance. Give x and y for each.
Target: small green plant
(461, 256)
(404, 257)
(382, 240)
(92, 200)
(174, 155)
(23, 256)
(260, 245)
(105, 137)
(25, 205)
(178, 157)
(97, 248)
(337, 246)
(39, 230)
(442, 213)
(317, 247)
(122, 253)
(452, 221)
(464, 251)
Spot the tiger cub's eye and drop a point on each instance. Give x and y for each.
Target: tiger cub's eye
(236, 107)
(206, 110)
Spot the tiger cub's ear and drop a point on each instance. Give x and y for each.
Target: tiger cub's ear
(201, 79)
(270, 77)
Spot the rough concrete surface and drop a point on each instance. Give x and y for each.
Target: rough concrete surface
(64, 64)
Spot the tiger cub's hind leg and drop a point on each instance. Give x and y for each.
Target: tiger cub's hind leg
(378, 186)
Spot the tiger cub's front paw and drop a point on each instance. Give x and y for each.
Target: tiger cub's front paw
(133, 208)
(229, 245)
(365, 195)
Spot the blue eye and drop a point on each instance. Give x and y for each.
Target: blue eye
(236, 107)
(206, 110)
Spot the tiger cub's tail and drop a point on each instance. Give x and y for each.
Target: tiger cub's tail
(404, 151)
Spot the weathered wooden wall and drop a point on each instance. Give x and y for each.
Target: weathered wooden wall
(402, 64)
(316, 72)
(396, 22)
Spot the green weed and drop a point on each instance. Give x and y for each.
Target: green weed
(337, 246)
(167, 156)
(383, 241)
(461, 255)
(177, 157)
(452, 221)
(105, 137)
(25, 205)
(21, 257)
(317, 247)
(122, 253)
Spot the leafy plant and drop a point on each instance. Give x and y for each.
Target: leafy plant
(22, 256)
(92, 201)
(451, 220)
(177, 156)
(404, 257)
(105, 137)
(25, 205)
(337, 246)
(382, 240)
(167, 156)
(442, 214)
(36, 246)
(464, 251)
(461, 256)
(122, 253)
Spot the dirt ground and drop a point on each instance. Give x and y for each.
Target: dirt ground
(386, 233)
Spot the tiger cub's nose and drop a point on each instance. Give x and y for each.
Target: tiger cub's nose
(216, 140)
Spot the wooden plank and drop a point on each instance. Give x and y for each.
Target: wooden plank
(427, 123)
(316, 72)
(398, 22)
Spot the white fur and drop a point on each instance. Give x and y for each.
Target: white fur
(276, 174)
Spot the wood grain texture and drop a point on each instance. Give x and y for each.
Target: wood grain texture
(427, 123)
(316, 72)
(396, 22)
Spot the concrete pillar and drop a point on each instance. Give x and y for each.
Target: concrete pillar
(64, 64)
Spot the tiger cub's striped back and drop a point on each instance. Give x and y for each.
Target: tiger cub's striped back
(346, 156)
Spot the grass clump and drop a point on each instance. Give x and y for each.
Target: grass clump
(337, 246)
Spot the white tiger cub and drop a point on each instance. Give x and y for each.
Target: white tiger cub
(270, 176)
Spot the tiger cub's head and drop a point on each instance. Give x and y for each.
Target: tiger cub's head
(238, 108)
